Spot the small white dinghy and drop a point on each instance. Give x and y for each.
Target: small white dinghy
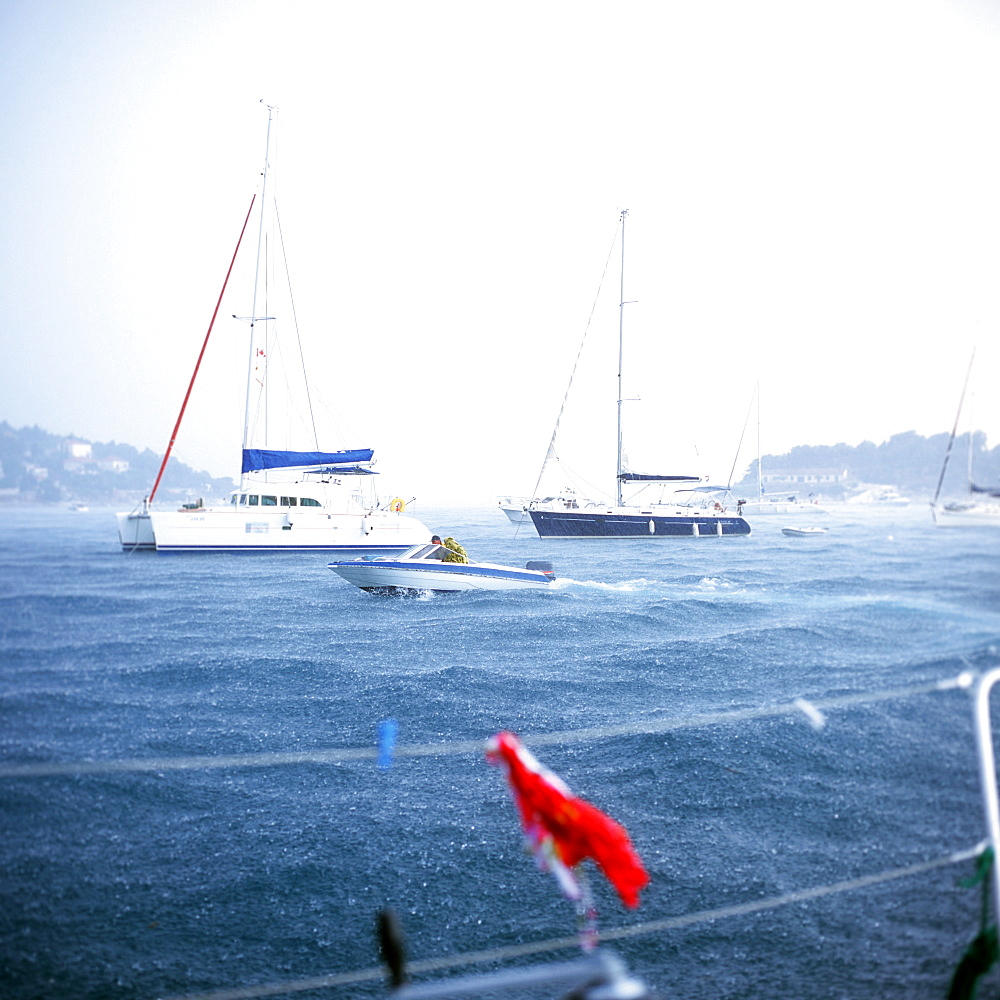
(803, 532)
(422, 567)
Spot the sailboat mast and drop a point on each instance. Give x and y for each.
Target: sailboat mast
(621, 322)
(760, 478)
(954, 431)
(256, 282)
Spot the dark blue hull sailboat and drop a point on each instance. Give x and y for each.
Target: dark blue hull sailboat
(690, 512)
(628, 523)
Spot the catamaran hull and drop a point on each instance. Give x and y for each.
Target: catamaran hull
(225, 530)
(609, 524)
(387, 576)
(135, 531)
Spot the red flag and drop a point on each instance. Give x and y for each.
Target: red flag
(558, 822)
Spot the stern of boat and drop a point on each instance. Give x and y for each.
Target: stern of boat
(135, 531)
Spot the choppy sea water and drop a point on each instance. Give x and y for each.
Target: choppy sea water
(142, 884)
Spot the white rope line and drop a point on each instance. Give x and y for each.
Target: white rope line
(515, 951)
(811, 710)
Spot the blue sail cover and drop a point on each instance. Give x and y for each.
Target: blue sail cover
(638, 477)
(258, 459)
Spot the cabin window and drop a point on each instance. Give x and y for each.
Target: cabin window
(253, 501)
(243, 499)
(232, 499)
(309, 502)
(289, 501)
(269, 501)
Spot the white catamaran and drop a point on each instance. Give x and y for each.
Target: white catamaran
(287, 501)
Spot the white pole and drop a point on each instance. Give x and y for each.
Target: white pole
(256, 279)
(621, 317)
(988, 775)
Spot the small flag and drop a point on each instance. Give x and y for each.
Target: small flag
(563, 829)
(388, 729)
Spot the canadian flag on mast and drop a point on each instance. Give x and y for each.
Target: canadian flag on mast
(563, 829)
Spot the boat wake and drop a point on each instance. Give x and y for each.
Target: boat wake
(694, 588)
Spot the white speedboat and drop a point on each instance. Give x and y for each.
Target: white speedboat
(287, 501)
(782, 505)
(886, 496)
(423, 568)
(804, 532)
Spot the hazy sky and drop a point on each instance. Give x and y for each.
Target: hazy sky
(813, 194)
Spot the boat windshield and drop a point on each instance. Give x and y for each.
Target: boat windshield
(430, 551)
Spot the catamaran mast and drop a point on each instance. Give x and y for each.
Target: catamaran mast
(256, 282)
(621, 317)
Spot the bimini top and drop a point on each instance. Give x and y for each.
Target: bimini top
(258, 459)
(639, 477)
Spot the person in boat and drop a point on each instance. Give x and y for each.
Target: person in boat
(455, 551)
(449, 550)
(452, 551)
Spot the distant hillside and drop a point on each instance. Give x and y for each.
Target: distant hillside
(908, 462)
(39, 467)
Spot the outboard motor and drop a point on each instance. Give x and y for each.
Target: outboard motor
(541, 565)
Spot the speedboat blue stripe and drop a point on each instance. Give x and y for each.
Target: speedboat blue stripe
(450, 569)
(273, 548)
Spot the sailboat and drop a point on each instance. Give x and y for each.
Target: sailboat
(982, 509)
(287, 501)
(785, 502)
(684, 512)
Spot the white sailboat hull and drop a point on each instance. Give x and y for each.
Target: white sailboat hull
(516, 514)
(135, 531)
(518, 509)
(967, 515)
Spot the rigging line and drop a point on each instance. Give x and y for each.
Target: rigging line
(508, 952)
(739, 447)
(954, 430)
(295, 322)
(555, 430)
(457, 748)
(575, 478)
